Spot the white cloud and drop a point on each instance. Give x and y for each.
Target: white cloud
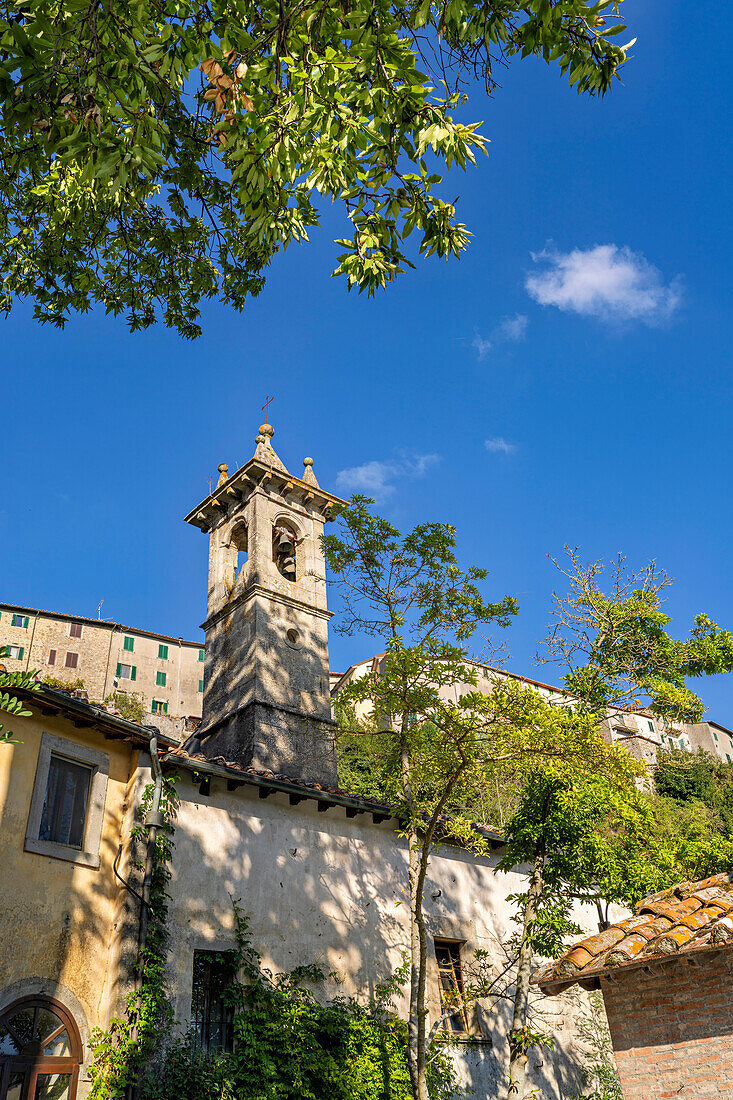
(375, 479)
(509, 330)
(607, 282)
(497, 445)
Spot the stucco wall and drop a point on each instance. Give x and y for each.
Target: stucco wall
(318, 887)
(58, 917)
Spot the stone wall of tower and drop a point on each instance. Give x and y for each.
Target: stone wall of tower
(266, 680)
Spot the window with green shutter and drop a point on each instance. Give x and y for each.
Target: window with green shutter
(21, 651)
(201, 685)
(163, 652)
(201, 655)
(21, 621)
(159, 707)
(128, 644)
(133, 673)
(160, 679)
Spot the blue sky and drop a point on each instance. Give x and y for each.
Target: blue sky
(582, 396)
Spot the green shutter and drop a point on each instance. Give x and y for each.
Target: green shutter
(25, 622)
(201, 655)
(20, 653)
(128, 644)
(160, 679)
(119, 670)
(133, 672)
(163, 652)
(201, 685)
(165, 708)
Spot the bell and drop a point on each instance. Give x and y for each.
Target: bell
(285, 545)
(288, 567)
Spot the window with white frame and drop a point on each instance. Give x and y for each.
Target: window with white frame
(67, 804)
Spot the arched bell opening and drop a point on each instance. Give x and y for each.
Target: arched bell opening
(40, 1051)
(284, 549)
(238, 541)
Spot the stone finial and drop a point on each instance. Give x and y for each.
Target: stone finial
(264, 450)
(223, 473)
(308, 474)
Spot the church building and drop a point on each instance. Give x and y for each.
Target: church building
(320, 874)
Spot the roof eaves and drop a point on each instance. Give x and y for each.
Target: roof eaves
(98, 622)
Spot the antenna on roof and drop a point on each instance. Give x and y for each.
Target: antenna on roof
(99, 609)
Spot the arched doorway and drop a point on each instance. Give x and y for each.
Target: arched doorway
(40, 1051)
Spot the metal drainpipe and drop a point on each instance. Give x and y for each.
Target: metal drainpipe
(113, 631)
(153, 821)
(30, 647)
(178, 684)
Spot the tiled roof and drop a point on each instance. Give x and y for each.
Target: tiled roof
(691, 917)
(271, 781)
(96, 622)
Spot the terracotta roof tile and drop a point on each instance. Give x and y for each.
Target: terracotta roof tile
(688, 917)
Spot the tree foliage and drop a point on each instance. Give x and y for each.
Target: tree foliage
(10, 682)
(615, 646)
(157, 153)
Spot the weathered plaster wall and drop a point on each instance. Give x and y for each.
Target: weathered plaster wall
(318, 887)
(58, 918)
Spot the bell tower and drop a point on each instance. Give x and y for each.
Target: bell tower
(266, 677)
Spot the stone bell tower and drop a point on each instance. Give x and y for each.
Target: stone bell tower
(266, 684)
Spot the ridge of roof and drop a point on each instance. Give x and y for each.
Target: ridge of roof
(98, 622)
(679, 921)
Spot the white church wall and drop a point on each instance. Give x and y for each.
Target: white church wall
(318, 887)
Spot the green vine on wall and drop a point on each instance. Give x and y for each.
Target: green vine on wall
(123, 1051)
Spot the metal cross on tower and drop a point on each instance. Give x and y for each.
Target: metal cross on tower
(266, 407)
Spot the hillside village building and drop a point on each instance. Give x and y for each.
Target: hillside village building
(320, 873)
(640, 732)
(167, 673)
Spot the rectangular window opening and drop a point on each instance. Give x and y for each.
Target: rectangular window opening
(52, 656)
(211, 1014)
(159, 707)
(65, 805)
(201, 655)
(163, 652)
(160, 679)
(16, 652)
(21, 621)
(72, 660)
(128, 644)
(201, 685)
(450, 978)
(75, 630)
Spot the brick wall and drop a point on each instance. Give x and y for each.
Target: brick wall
(672, 1027)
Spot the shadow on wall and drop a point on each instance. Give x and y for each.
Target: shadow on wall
(318, 888)
(57, 915)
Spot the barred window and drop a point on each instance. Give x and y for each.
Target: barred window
(211, 1014)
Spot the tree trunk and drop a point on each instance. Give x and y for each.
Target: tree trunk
(517, 1038)
(416, 1041)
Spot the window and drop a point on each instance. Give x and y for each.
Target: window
(16, 652)
(450, 978)
(160, 679)
(211, 1015)
(201, 685)
(163, 652)
(651, 725)
(52, 657)
(727, 757)
(715, 735)
(72, 660)
(75, 630)
(159, 707)
(201, 655)
(21, 621)
(65, 805)
(40, 1050)
(126, 672)
(128, 644)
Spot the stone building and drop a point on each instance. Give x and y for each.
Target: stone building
(640, 732)
(666, 975)
(168, 673)
(320, 873)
